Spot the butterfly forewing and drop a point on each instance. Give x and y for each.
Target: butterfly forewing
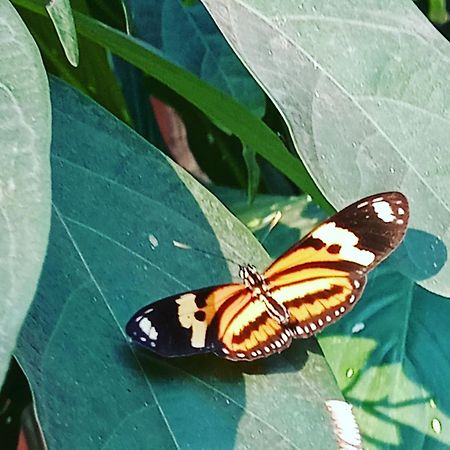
(181, 325)
(322, 276)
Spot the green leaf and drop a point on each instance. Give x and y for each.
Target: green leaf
(60, 14)
(222, 110)
(24, 175)
(437, 11)
(366, 93)
(390, 355)
(116, 214)
(253, 173)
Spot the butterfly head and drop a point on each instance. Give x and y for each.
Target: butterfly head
(250, 276)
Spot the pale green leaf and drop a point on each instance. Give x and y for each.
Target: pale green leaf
(365, 89)
(60, 13)
(24, 175)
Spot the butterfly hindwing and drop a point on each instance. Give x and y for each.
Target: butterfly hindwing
(245, 331)
(321, 277)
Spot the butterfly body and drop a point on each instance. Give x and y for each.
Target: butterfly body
(309, 287)
(260, 291)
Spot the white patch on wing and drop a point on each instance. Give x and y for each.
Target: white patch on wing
(186, 310)
(331, 234)
(147, 328)
(384, 211)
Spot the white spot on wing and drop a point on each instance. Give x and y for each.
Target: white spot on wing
(344, 424)
(313, 327)
(384, 211)
(361, 205)
(331, 234)
(147, 328)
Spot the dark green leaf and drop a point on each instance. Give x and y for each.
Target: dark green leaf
(253, 173)
(115, 217)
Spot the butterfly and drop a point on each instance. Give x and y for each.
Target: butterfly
(310, 286)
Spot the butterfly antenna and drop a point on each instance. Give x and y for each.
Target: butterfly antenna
(188, 247)
(273, 223)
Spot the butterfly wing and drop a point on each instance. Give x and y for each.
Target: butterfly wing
(182, 324)
(321, 277)
(245, 330)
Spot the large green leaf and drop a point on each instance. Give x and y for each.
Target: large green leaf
(118, 206)
(390, 355)
(24, 175)
(366, 93)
